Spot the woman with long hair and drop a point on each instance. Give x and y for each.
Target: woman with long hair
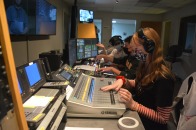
(151, 92)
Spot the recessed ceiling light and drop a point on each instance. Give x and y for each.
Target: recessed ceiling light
(116, 1)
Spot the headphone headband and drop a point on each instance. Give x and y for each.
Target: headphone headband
(149, 44)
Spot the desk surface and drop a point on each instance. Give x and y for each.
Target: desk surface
(107, 124)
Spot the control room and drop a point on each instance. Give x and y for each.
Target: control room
(97, 64)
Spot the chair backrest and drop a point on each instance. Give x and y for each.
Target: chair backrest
(184, 103)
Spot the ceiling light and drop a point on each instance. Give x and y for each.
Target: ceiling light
(116, 1)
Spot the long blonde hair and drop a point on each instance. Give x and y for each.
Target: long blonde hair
(156, 67)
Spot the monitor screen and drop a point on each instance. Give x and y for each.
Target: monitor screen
(33, 74)
(86, 16)
(86, 48)
(45, 18)
(20, 88)
(32, 17)
(66, 75)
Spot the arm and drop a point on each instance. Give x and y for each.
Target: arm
(163, 102)
(119, 84)
(112, 69)
(106, 57)
(103, 47)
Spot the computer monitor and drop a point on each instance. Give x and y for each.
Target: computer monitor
(33, 74)
(86, 16)
(86, 48)
(20, 88)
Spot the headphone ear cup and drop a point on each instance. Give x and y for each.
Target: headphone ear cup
(149, 46)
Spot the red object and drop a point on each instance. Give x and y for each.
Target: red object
(121, 77)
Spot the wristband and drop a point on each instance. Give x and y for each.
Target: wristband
(121, 77)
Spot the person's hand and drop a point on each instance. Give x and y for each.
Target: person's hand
(100, 45)
(115, 86)
(98, 57)
(105, 69)
(126, 97)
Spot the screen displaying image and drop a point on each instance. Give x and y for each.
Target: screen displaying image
(45, 18)
(32, 17)
(33, 74)
(66, 75)
(20, 89)
(86, 16)
(86, 48)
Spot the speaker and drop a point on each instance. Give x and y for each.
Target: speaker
(54, 60)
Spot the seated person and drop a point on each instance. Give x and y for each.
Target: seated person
(154, 83)
(115, 48)
(129, 62)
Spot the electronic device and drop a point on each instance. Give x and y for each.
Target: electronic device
(86, 48)
(149, 44)
(57, 85)
(31, 77)
(38, 105)
(87, 100)
(53, 59)
(39, 15)
(86, 16)
(68, 74)
(49, 116)
(56, 120)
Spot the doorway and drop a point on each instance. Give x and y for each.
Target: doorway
(123, 27)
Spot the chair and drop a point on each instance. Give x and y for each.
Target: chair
(184, 105)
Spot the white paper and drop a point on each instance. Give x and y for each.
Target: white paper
(85, 67)
(82, 128)
(35, 101)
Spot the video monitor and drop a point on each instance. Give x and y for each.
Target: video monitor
(86, 48)
(86, 16)
(31, 17)
(33, 74)
(66, 75)
(20, 88)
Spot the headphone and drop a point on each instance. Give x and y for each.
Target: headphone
(116, 40)
(149, 44)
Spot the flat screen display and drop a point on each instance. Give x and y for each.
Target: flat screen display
(33, 74)
(86, 48)
(45, 18)
(66, 75)
(86, 16)
(20, 89)
(32, 17)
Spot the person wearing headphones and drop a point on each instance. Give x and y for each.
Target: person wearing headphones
(151, 92)
(127, 65)
(115, 49)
